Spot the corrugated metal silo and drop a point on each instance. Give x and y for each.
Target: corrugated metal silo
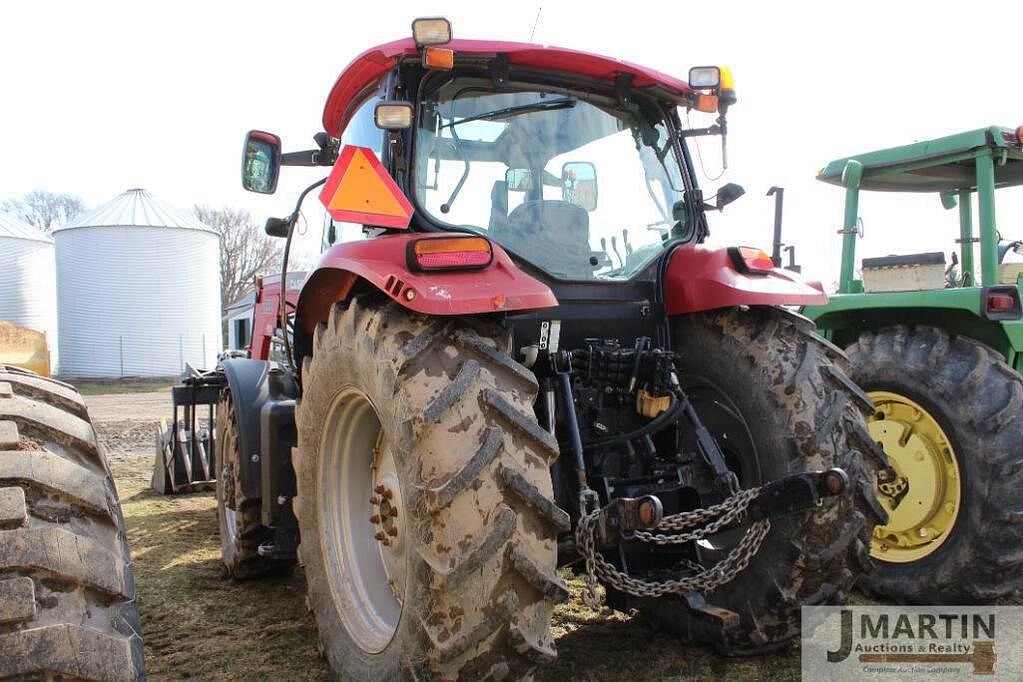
(138, 290)
(27, 280)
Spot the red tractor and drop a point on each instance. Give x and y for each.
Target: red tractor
(515, 355)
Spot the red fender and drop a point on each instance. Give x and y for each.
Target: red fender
(702, 278)
(500, 287)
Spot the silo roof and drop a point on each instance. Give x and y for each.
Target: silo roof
(137, 208)
(14, 227)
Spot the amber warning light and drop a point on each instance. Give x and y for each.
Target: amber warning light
(449, 253)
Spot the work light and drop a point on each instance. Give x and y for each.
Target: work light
(393, 115)
(431, 31)
(704, 77)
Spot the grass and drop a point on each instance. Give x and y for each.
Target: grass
(198, 625)
(125, 385)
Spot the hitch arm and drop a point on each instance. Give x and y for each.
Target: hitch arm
(797, 492)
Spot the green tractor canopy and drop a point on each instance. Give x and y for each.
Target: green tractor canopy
(939, 350)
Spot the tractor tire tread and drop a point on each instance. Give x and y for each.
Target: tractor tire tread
(821, 414)
(457, 411)
(67, 589)
(978, 399)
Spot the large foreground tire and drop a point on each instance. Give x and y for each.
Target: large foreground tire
(950, 415)
(424, 499)
(241, 528)
(67, 592)
(770, 391)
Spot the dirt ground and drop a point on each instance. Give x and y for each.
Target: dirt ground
(196, 624)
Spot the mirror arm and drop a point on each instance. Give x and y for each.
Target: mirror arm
(311, 157)
(696, 132)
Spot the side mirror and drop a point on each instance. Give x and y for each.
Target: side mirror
(261, 162)
(728, 194)
(518, 179)
(579, 184)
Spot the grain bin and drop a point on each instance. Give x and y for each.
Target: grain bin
(27, 280)
(138, 290)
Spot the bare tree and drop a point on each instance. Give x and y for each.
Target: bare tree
(46, 210)
(245, 250)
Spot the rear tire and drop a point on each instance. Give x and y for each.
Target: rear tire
(977, 400)
(241, 528)
(435, 413)
(801, 413)
(67, 589)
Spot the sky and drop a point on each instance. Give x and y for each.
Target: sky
(102, 96)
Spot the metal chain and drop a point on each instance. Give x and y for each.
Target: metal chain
(702, 580)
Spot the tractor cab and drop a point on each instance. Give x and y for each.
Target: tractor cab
(955, 169)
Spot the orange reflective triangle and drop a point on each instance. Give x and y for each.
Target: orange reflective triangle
(359, 190)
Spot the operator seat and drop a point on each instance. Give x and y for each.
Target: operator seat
(498, 207)
(552, 234)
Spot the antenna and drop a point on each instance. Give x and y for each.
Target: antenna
(535, 22)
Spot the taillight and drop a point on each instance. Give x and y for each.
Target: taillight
(449, 253)
(1001, 302)
(750, 260)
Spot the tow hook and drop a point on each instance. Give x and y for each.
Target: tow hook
(626, 515)
(797, 492)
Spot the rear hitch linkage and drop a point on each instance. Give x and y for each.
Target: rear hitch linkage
(641, 519)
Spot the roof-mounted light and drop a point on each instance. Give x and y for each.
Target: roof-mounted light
(438, 58)
(726, 90)
(431, 31)
(393, 115)
(704, 77)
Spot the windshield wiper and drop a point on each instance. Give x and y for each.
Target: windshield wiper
(508, 112)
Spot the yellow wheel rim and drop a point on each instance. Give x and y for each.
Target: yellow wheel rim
(923, 498)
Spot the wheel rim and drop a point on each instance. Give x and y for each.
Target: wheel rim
(227, 477)
(363, 532)
(923, 499)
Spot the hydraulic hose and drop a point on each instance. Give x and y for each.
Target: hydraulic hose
(672, 413)
(292, 220)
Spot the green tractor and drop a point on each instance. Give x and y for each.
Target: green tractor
(940, 352)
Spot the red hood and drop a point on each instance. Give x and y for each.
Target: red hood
(373, 63)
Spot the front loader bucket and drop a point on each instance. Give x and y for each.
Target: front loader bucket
(185, 448)
(24, 348)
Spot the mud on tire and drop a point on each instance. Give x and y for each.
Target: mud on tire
(455, 415)
(67, 590)
(241, 528)
(978, 400)
(803, 414)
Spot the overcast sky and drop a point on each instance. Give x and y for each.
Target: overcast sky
(98, 97)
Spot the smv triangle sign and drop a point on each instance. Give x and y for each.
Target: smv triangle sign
(359, 190)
